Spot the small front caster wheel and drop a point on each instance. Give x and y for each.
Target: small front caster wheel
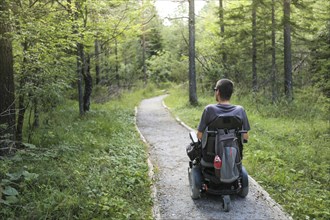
(226, 203)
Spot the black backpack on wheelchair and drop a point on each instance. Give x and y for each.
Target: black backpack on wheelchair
(216, 163)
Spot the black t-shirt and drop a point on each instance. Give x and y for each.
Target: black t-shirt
(214, 110)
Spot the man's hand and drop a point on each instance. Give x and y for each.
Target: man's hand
(245, 136)
(199, 135)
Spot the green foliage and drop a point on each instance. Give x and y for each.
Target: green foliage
(289, 158)
(310, 44)
(164, 67)
(288, 151)
(309, 104)
(81, 167)
(321, 63)
(159, 69)
(45, 36)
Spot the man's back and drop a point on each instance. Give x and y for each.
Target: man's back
(212, 111)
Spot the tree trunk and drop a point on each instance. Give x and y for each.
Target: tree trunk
(20, 118)
(21, 97)
(7, 86)
(80, 73)
(97, 61)
(273, 75)
(144, 57)
(222, 35)
(288, 88)
(192, 69)
(254, 47)
(36, 114)
(144, 65)
(117, 63)
(88, 85)
(80, 52)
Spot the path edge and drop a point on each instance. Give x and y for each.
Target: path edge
(272, 203)
(151, 173)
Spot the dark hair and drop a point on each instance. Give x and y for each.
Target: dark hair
(226, 88)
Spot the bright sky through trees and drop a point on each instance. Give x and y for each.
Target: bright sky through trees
(166, 8)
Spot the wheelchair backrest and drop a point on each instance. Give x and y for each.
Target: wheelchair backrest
(226, 122)
(231, 124)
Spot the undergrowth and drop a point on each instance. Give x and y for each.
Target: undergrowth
(90, 167)
(288, 151)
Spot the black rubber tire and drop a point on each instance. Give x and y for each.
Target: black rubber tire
(245, 184)
(195, 181)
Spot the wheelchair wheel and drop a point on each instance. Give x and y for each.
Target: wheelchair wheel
(245, 184)
(226, 203)
(195, 181)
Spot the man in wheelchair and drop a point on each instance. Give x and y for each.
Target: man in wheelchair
(223, 91)
(217, 167)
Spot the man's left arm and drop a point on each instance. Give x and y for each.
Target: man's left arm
(202, 124)
(246, 125)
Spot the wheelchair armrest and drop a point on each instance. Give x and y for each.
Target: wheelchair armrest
(212, 132)
(193, 137)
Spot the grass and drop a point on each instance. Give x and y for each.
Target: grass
(90, 167)
(94, 167)
(288, 151)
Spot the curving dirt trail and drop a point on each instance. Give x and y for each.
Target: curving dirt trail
(167, 140)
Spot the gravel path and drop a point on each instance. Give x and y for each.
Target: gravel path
(167, 140)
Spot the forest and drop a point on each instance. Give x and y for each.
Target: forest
(72, 71)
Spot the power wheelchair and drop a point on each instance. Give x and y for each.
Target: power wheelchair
(215, 164)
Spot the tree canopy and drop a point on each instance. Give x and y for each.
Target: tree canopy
(62, 44)
(52, 51)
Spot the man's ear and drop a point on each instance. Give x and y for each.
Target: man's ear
(217, 95)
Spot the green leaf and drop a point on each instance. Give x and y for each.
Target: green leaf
(3, 202)
(14, 176)
(30, 176)
(31, 146)
(5, 182)
(10, 191)
(17, 158)
(11, 199)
